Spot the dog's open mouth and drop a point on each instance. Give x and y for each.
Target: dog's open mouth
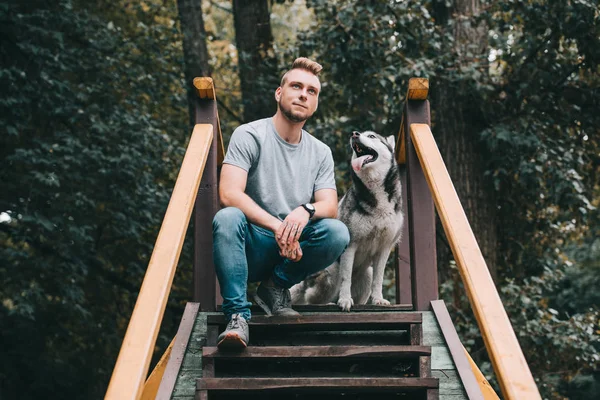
(364, 155)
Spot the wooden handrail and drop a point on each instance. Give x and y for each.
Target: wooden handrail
(131, 368)
(500, 340)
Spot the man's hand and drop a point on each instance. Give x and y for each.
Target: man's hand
(291, 228)
(292, 252)
(288, 234)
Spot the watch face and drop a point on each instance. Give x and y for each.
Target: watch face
(310, 206)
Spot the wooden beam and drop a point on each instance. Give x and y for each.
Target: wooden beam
(296, 352)
(501, 342)
(205, 288)
(303, 308)
(418, 89)
(330, 321)
(167, 384)
(420, 216)
(204, 277)
(132, 364)
(402, 255)
(456, 350)
(153, 381)
(314, 384)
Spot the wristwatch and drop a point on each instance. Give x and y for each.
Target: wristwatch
(310, 208)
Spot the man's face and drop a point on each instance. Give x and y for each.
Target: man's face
(298, 98)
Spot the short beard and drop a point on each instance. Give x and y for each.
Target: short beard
(289, 114)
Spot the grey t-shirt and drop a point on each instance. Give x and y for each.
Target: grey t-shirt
(281, 176)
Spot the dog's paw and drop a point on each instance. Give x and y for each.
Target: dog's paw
(380, 302)
(345, 303)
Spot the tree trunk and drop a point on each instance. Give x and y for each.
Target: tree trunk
(256, 59)
(458, 121)
(195, 51)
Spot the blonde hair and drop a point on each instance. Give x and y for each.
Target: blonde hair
(306, 64)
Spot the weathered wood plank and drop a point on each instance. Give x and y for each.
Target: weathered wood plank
(441, 358)
(425, 367)
(191, 367)
(311, 384)
(432, 335)
(192, 361)
(450, 385)
(198, 337)
(167, 384)
(457, 350)
(328, 321)
(421, 216)
(186, 384)
(296, 352)
(402, 255)
(206, 206)
(201, 395)
(416, 334)
(334, 308)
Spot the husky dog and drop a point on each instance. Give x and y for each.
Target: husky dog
(372, 211)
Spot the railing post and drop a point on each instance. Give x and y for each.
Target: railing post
(420, 208)
(205, 290)
(402, 256)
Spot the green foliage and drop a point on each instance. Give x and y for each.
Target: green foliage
(543, 136)
(94, 119)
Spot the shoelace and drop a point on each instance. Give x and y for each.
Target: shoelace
(281, 298)
(235, 322)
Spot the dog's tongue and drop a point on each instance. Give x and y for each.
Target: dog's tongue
(357, 163)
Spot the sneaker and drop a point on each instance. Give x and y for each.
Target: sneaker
(275, 300)
(236, 335)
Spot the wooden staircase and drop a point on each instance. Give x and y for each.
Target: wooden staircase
(361, 355)
(373, 352)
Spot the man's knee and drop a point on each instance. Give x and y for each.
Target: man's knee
(229, 219)
(338, 235)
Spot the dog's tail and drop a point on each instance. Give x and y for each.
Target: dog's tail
(297, 291)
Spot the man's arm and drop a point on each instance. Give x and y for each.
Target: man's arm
(325, 207)
(326, 204)
(231, 192)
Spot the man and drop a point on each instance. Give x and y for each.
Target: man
(278, 187)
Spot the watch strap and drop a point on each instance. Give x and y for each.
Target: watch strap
(311, 210)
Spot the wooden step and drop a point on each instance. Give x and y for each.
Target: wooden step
(302, 308)
(331, 321)
(297, 385)
(315, 352)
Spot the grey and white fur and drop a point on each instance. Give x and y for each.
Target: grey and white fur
(372, 211)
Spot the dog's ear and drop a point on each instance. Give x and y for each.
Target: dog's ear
(391, 141)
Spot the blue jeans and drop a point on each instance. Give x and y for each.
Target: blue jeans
(244, 252)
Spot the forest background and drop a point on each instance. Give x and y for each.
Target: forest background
(94, 123)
